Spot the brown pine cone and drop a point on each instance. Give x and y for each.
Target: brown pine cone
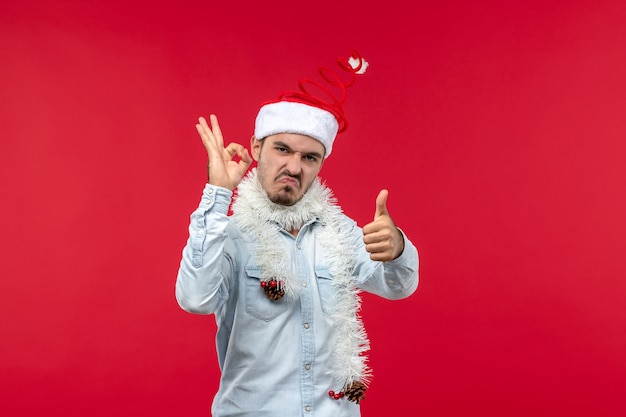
(355, 391)
(274, 290)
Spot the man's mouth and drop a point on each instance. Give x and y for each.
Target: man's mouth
(289, 181)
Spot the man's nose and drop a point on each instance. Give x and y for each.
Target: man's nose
(294, 165)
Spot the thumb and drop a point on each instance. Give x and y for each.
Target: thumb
(381, 204)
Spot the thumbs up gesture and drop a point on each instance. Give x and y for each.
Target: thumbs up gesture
(382, 239)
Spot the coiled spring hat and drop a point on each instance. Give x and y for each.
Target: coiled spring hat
(302, 112)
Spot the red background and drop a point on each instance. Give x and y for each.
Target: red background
(498, 127)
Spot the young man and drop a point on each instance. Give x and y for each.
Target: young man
(282, 274)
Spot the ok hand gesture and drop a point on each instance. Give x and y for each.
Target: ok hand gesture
(223, 170)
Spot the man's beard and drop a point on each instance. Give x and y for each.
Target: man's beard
(283, 197)
(286, 195)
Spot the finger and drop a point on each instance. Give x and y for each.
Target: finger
(373, 227)
(213, 142)
(217, 132)
(373, 236)
(236, 149)
(245, 160)
(377, 232)
(381, 204)
(210, 147)
(245, 157)
(378, 247)
(381, 256)
(203, 127)
(205, 132)
(379, 250)
(232, 149)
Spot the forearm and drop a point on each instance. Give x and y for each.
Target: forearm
(201, 286)
(395, 279)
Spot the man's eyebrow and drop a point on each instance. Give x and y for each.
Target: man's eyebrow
(284, 145)
(315, 154)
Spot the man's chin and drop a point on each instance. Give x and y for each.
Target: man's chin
(285, 197)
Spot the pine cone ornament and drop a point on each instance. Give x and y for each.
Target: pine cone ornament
(355, 391)
(274, 290)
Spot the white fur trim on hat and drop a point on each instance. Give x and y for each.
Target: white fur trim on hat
(293, 117)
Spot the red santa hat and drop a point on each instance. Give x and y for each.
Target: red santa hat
(302, 112)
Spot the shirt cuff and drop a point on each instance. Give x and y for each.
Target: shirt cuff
(409, 253)
(216, 198)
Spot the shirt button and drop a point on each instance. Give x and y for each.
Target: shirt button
(307, 408)
(307, 367)
(210, 191)
(201, 232)
(304, 284)
(306, 325)
(299, 247)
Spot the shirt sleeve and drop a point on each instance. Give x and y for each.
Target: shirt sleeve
(201, 286)
(393, 280)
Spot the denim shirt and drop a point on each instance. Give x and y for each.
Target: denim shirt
(275, 356)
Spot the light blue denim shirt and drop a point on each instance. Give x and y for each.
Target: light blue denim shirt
(274, 356)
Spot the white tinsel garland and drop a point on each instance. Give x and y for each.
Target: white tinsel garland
(256, 214)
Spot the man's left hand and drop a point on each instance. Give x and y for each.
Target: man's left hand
(383, 240)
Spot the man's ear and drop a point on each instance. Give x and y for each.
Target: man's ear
(255, 147)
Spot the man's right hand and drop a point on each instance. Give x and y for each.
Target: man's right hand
(223, 170)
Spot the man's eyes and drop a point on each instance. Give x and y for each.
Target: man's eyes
(309, 158)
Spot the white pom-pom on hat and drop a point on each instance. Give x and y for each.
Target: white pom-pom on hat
(354, 63)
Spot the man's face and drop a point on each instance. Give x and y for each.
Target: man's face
(287, 165)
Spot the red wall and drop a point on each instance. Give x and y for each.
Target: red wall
(498, 127)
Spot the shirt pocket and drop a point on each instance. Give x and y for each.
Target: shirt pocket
(325, 289)
(256, 302)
